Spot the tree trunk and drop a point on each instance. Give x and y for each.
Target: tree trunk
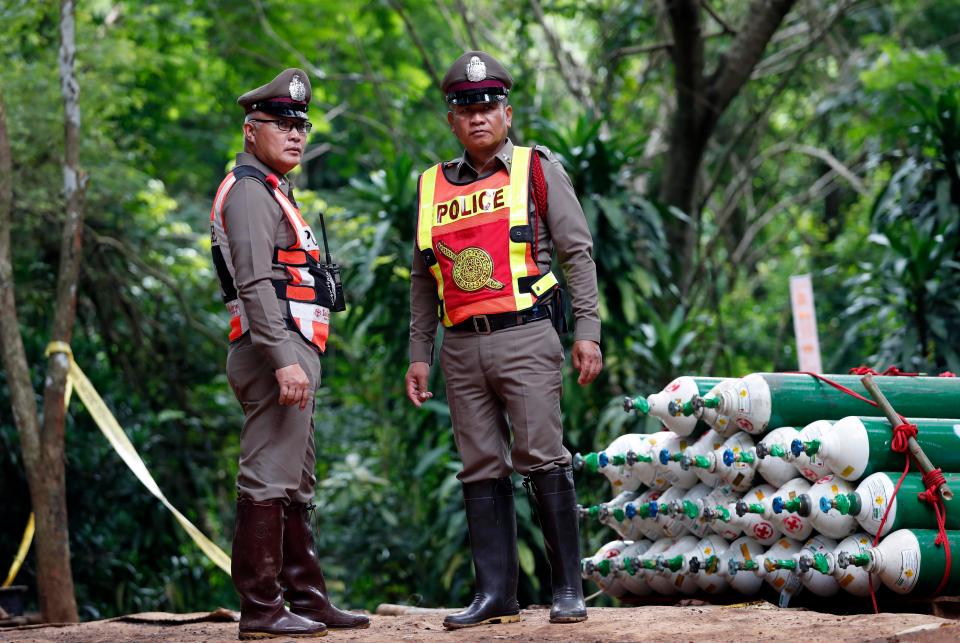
(50, 503)
(700, 102)
(43, 447)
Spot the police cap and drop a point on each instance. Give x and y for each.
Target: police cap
(287, 95)
(476, 77)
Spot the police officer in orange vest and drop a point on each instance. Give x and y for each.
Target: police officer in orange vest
(279, 294)
(488, 226)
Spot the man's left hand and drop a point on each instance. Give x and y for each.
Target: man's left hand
(587, 359)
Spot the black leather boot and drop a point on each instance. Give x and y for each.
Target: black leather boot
(492, 522)
(257, 560)
(302, 576)
(556, 503)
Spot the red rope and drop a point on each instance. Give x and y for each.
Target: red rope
(946, 374)
(901, 444)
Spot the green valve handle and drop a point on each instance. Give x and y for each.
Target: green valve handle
(792, 505)
(618, 514)
(690, 509)
(711, 402)
(701, 462)
(641, 458)
(647, 563)
(845, 559)
(811, 447)
(644, 510)
(711, 563)
(783, 563)
(591, 462)
(673, 564)
(618, 460)
(745, 456)
(604, 567)
(820, 563)
(778, 451)
(637, 404)
(687, 409)
(848, 504)
(593, 511)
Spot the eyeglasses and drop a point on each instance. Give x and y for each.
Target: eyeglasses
(284, 125)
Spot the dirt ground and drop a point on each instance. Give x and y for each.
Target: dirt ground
(696, 623)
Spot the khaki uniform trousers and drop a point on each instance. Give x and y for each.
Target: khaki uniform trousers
(508, 375)
(277, 458)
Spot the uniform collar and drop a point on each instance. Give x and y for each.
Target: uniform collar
(245, 158)
(465, 169)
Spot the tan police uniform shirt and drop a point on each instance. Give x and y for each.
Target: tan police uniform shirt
(255, 224)
(564, 228)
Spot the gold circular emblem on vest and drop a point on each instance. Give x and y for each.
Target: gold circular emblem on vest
(472, 268)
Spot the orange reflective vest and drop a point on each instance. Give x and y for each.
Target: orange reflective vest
(477, 240)
(309, 293)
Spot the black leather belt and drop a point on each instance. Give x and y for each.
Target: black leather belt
(486, 324)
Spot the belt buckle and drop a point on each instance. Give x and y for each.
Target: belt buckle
(476, 325)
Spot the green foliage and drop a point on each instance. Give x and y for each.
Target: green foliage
(160, 125)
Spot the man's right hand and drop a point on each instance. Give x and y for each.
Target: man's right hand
(294, 386)
(418, 378)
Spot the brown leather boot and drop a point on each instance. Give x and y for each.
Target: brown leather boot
(306, 590)
(257, 561)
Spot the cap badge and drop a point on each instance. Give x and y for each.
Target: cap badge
(476, 70)
(298, 91)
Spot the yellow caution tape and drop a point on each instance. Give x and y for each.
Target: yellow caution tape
(21, 551)
(121, 443)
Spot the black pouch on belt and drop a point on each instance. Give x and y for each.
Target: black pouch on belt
(558, 311)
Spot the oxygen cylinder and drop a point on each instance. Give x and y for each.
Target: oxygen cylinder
(601, 568)
(737, 474)
(638, 511)
(678, 391)
(697, 510)
(762, 566)
(712, 417)
(607, 513)
(694, 524)
(909, 561)
(633, 583)
(671, 524)
(741, 555)
(757, 526)
(859, 446)
(707, 443)
(788, 523)
(853, 579)
(775, 470)
(819, 584)
(760, 400)
(645, 564)
(869, 501)
(703, 563)
(670, 473)
(746, 462)
(621, 477)
(665, 580)
(832, 524)
(810, 467)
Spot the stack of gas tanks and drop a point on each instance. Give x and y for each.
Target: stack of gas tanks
(778, 478)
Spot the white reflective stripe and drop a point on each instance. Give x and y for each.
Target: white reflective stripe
(306, 314)
(222, 195)
(305, 237)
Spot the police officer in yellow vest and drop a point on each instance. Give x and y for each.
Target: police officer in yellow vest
(279, 296)
(487, 227)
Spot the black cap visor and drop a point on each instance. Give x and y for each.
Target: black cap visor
(279, 108)
(474, 96)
